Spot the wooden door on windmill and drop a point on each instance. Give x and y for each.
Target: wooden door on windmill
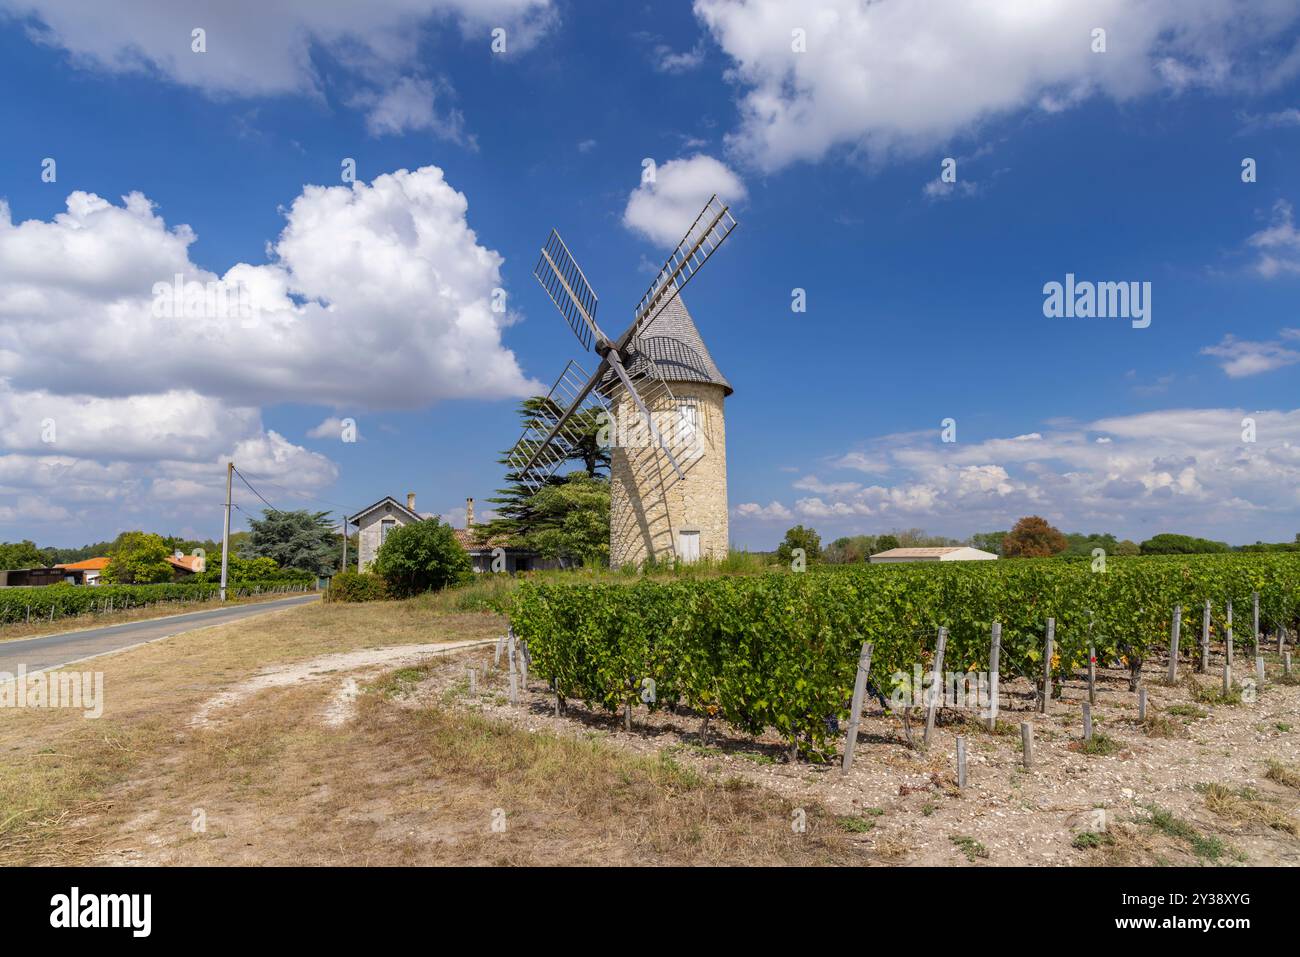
(688, 546)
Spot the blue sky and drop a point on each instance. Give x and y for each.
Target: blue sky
(924, 299)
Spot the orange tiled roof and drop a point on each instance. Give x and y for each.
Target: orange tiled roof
(468, 541)
(86, 565)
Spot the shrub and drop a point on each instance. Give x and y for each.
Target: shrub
(423, 556)
(356, 586)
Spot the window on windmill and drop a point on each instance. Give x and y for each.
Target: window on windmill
(688, 422)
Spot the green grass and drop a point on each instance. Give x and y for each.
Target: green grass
(1203, 846)
(1086, 840)
(855, 825)
(1099, 744)
(970, 847)
(1213, 694)
(1187, 711)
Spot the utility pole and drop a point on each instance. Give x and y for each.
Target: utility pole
(225, 535)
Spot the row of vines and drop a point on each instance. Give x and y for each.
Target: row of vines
(61, 601)
(780, 650)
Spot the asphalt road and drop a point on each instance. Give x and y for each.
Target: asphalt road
(51, 651)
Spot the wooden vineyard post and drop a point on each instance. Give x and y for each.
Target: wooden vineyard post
(1027, 743)
(473, 681)
(1047, 665)
(1205, 639)
(936, 686)
(514, 688)
(1173, 643)
(1142, 704)
(995, 656)
(1092, 673)
(1227, 676)
(859, 692)
(496, 658)
(1254, 620)
(1259, 669)
(1087, 721)
(1228, 636)
(961, 762)
(1286, 663)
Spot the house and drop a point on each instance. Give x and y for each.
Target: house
(947, 553)
(91, 569)
(375, 522)
(29, 577)
(483, 553)
(183, 566)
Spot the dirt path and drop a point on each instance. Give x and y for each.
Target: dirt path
(353, 665)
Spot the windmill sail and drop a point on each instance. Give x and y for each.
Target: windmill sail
(564, 282)
(556, 431)
(707, 233)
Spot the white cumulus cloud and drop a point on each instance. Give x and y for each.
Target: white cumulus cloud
(896, 75)
(663, 209)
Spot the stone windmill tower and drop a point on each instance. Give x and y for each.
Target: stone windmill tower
(661, 395)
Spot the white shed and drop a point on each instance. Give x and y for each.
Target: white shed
(949, 553)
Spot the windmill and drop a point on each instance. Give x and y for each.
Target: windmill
(660, 434)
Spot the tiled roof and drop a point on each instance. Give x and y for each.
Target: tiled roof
(188, 562)
(386, 500)
(470, 542)
(86, 565)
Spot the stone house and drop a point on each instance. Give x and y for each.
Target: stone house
(375, 522)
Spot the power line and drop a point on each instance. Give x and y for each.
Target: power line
(255, 492)
(310, 498)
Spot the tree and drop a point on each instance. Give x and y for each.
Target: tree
(849, 549)
(301, 539)
(572, 521)
(800, 537)
(988, 541)
(1168, 544)
(1033, 537)
(22, 554)
(518, 515)
(421, 557)
(884, 543)
(138, 558)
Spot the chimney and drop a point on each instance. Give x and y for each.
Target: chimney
(469, 513)
(410, 501)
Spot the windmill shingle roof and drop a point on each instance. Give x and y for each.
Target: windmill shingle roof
(673, 342)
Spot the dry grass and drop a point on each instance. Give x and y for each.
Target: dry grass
(1285, 774)
(57, 762)
(1243, 807)
(400, 784)
(1162, 726)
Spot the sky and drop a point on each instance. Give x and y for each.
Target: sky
(909, 177)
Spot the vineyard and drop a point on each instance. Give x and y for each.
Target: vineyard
(60, 601)
(780, 651)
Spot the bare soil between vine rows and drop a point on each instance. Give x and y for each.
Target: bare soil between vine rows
(1189, 788)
